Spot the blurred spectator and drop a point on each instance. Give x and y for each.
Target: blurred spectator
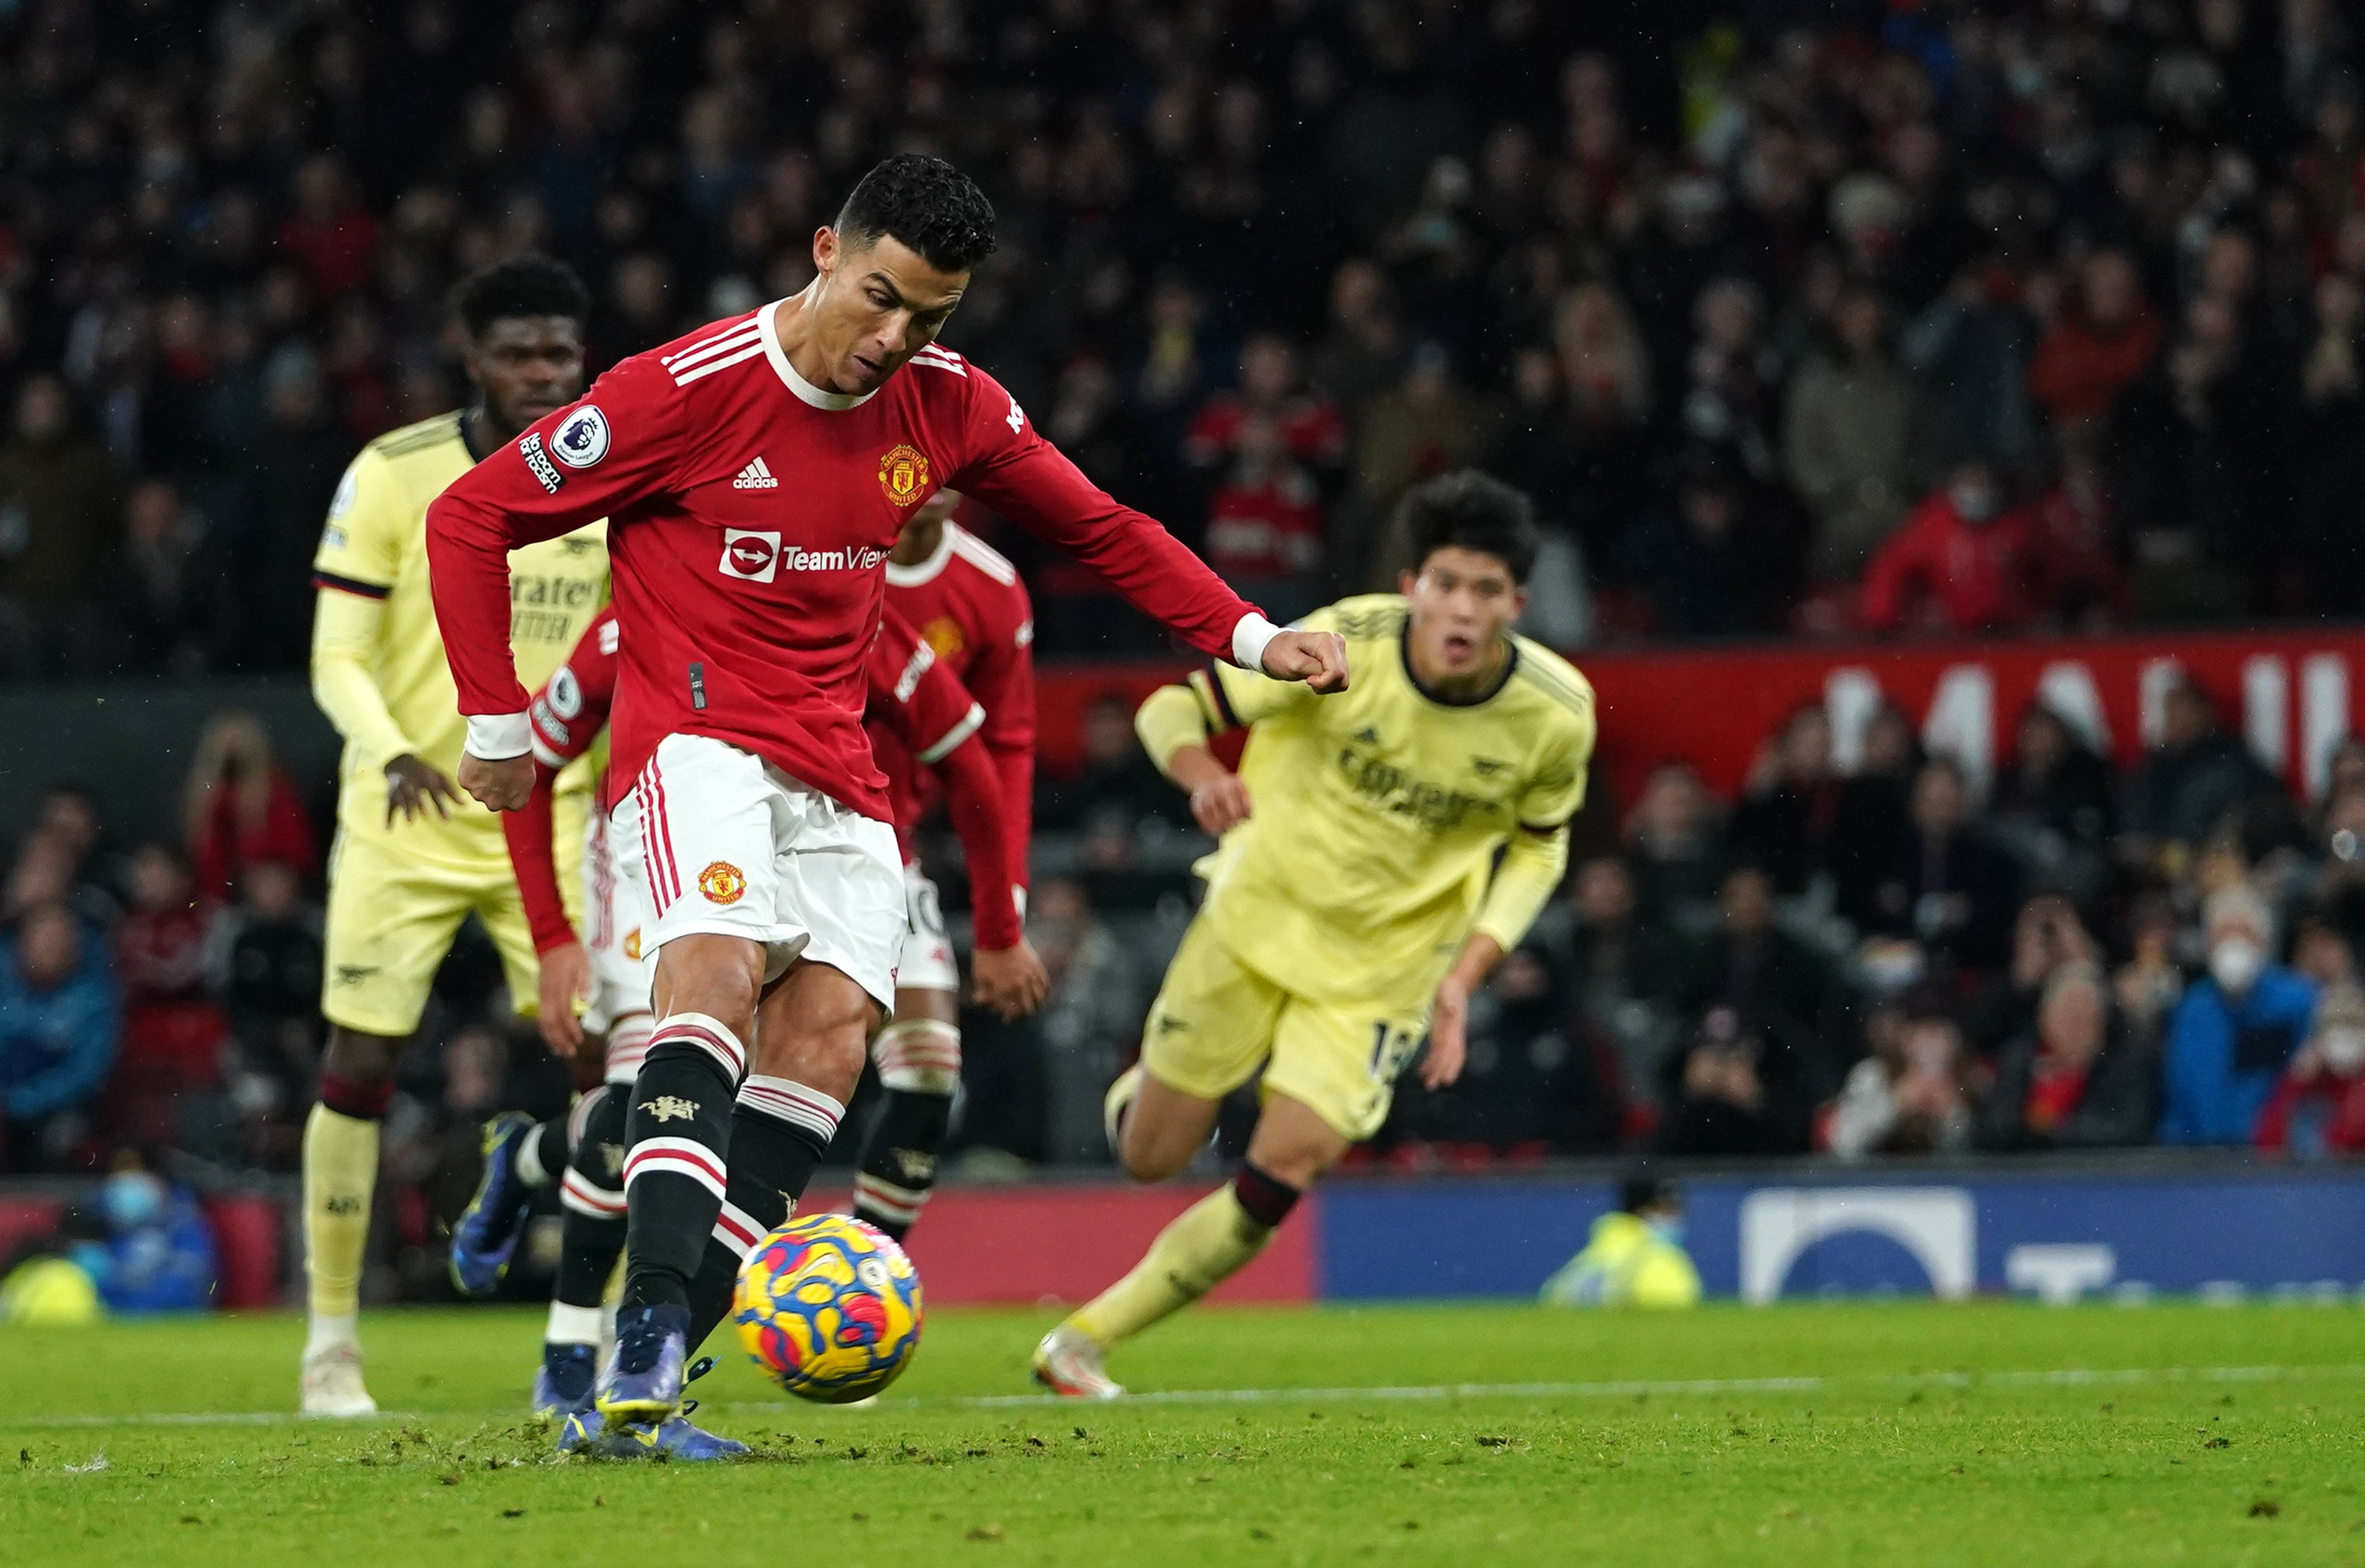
(270, 984)
(1623, 974)
(2148, 985)
(1778, 990)
(1674, 847)
(1947, 888)
(1874, 811)
(239, 807)
(60, 509)
(1960, 562)
(1270, 444)
(2099, 346)
(166, 608)
(2191, 781)
(59, 1019)
(1116, 777)
(2317, 1110)
(1427, 425)
(1848, 440)
(2074, 579)
(1728, 1096)
(158, 1255)
(1091, 1020)
(171, 1028)
(1783, 822)
(2328, 447)
(2235, 1031)
(1703, 565)
(2080, 1080)
(2056, 802)
(1912, 1095)
(2048, 937)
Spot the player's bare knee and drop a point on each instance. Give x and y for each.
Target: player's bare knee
(719, 976)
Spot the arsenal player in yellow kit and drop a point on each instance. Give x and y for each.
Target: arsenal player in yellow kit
(1356, 899)
(414, 856)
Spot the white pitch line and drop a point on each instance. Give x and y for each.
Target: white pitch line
(1404, 1393)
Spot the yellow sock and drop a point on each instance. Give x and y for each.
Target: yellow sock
(340, 1170)
(1207, 1244)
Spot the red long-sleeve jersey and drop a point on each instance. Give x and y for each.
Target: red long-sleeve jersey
(966, 602)
(912, 697)
(750, 513)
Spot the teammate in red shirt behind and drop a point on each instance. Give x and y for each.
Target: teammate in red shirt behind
(967, 604)
(754, 476)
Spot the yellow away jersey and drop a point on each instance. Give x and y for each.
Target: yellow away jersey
(1377, 813)
(374, 544)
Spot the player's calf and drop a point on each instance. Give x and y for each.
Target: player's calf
(779, 1131)
(591, 1237)
(919, 1069)
(340, 1154)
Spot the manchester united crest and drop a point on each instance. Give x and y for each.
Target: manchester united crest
(722, 882)
(943, 636)
(904, 475)
(633, 944)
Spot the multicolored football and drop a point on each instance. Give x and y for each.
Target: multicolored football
(829, 1307)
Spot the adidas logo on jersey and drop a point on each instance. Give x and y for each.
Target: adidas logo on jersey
(755, 477)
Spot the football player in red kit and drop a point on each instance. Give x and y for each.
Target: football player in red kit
(968, 606)
(755, 474)
(918, 707)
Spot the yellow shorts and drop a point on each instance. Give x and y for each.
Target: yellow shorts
(1216, 1021)
(393, 912)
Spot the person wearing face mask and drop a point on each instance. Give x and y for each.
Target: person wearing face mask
(1958, 563)
(2317, 1112)
(158, 1251)
(2235, 1030)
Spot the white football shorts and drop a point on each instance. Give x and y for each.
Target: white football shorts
(733, 846)
(622, 966)
(929, 963)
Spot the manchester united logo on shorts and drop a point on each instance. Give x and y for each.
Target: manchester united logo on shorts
(633, 944)
(722, 882)
(904, 475)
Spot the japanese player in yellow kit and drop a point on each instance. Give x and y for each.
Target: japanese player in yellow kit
(1381, 849)
(414, 856)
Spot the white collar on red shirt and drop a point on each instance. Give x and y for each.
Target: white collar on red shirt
(767, 320)
(920, 572)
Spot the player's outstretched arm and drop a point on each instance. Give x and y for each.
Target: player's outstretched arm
(1020, 475)
(1173, 730)
(565, 968)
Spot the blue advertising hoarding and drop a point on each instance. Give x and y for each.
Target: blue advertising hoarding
(2061, 1235)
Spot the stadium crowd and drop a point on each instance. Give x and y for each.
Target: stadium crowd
(1806, 316)
(1852, 963)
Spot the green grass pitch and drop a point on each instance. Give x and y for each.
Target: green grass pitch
(1905, 1433)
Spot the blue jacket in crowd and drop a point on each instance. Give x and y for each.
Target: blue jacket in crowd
(2224, 1056)
(56, 1046)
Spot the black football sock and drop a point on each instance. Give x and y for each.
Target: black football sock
(542, 1155)
(898, 1159)
(678, 1137)
(592, 1199)
(778, 1133)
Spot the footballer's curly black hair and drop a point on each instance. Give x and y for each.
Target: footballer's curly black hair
(522, 285)
(1470, 510)
(926, 203)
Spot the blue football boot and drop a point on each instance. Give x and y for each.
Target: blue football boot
(643, 1383)
(485, 1236)
(563, 1383)
(674, 1438)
